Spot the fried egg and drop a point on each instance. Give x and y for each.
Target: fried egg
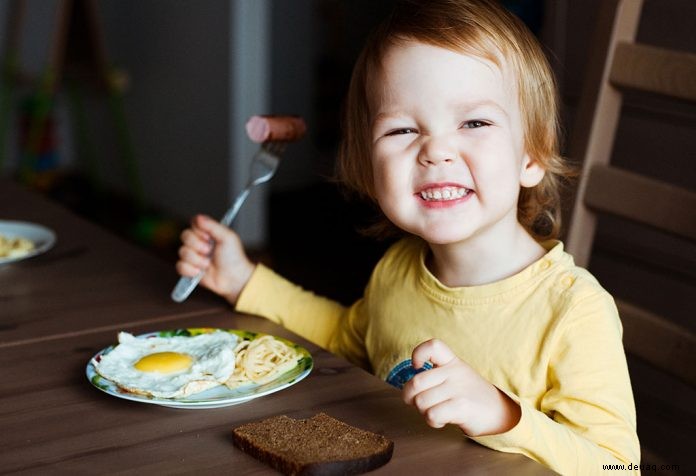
(169, 367)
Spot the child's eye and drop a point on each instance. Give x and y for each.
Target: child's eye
(475, 124)
(405, 130)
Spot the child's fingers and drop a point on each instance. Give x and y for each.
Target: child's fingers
(441, 413)
(420, 383)
(196, 240)
(193, 258)
(186, 269)
(425, 390)
(217, 231)
(434, 351)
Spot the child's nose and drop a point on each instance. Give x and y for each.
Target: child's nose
(437, 150)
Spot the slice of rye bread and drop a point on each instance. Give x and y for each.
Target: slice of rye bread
(320, 445)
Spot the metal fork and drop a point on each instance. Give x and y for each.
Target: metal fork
(263, 167)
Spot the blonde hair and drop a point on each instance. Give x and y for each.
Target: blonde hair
(476, 27)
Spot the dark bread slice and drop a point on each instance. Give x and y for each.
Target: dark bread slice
(320, 445)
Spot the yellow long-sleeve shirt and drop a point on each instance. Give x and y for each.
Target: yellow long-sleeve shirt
(549, 336)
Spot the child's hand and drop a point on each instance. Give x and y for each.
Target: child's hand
(227, 270)
(453, 392)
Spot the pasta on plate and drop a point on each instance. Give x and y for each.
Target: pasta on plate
(261, 360)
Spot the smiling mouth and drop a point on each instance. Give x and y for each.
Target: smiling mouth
(444, 194)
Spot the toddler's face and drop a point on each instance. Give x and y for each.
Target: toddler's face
(447, 144)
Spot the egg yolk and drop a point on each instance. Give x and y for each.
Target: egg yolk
(164, 362)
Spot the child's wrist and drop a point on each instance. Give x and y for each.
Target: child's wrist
(509, 415)
(512, 413)
(239, 282)
(503, 417)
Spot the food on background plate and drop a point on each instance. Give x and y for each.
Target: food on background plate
(317, 445)
(14, 247)
(177, 366)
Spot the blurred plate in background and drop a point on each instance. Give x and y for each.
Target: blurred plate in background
(42, 237)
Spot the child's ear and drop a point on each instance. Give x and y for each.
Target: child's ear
(531, 173)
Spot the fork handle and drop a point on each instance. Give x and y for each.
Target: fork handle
(231, 213)
(187, 284)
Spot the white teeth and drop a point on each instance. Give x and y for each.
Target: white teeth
(442, 194)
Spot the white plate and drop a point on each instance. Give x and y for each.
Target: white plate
(217, 397)
(42, 237)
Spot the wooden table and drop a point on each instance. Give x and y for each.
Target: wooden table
(90, 279)
(54, 420)
(57, 310)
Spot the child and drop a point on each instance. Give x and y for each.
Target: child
(451, 127)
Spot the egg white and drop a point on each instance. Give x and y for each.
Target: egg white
(213, 362)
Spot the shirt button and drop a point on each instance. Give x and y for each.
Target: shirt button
(545, 264)
(568, 281)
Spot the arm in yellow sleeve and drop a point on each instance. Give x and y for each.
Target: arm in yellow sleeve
(327, 323)
(586, 419)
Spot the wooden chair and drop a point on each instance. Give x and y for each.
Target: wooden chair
(621, 65)
(662, 353)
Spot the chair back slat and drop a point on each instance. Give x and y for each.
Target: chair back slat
(655, 70)
(642, 199)
(661, 343)
(619, 64)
